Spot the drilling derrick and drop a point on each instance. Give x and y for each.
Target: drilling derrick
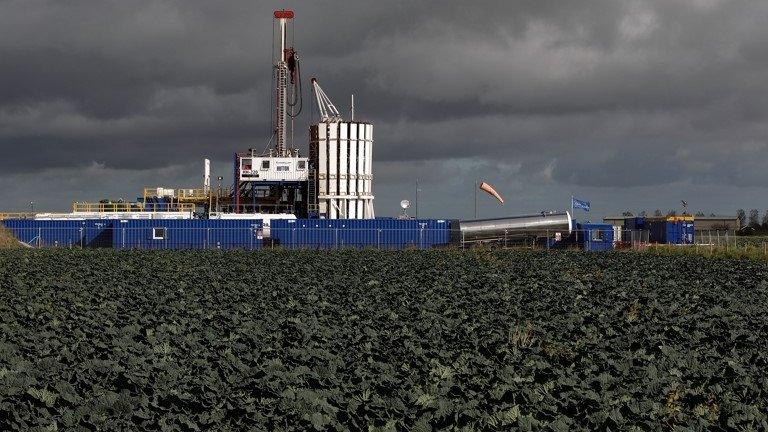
(287, 86)
(275, 181)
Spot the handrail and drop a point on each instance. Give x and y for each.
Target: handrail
(193, 194)
(86, 207)
(16, 215)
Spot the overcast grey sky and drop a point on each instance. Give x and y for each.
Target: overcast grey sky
(630, 104)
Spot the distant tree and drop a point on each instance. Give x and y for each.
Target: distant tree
(658, 213)
(643, 213)
(754, 218)
(672, 212)
(712, 215)
(627, 214)
(742, 215)
(765, 220)
(700, 213)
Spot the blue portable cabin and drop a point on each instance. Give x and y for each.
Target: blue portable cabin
(596, 237)
(361, 233)
(92, 233)
(188, 234)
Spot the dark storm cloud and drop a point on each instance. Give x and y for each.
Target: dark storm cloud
(593, 93)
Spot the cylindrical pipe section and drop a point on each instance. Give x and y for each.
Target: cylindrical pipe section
(534, 225)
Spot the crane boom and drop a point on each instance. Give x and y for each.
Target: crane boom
(328, 111)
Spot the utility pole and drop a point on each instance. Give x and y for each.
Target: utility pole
(417, 198)
(218, 194)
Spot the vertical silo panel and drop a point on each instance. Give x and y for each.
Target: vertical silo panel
(322, 169)
(369, 169)
(333, 168)
(333, 158)
(343, 163)
(333, 214)
(353, 162)
(353, 142)
(360, 159)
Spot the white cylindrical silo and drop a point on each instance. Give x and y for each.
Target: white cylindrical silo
(341, 154)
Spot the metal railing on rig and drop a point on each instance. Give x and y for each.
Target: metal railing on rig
(258, 208)
(86, 207)
(17, 215)
(198, 195)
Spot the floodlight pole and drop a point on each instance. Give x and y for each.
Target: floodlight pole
(417, 198)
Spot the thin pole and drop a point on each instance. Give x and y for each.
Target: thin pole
(475, 199)
(417, 198)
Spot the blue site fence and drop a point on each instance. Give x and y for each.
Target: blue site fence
(250, 238)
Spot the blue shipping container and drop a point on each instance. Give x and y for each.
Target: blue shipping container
(635, 223)
(361, 233)
(671, 231)
(188, 234)
(62, 233)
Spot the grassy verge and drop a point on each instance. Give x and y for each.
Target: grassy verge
(7, 240)
(746, 252)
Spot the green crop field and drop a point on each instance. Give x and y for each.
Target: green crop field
(406, 341)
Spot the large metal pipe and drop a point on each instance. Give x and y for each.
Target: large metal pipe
(534, 225)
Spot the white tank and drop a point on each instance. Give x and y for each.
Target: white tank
(341, 153)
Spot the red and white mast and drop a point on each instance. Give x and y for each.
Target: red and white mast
(285, 68)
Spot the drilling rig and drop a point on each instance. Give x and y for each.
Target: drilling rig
(275, 180)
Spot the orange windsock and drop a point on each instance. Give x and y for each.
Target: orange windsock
(488, 188)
